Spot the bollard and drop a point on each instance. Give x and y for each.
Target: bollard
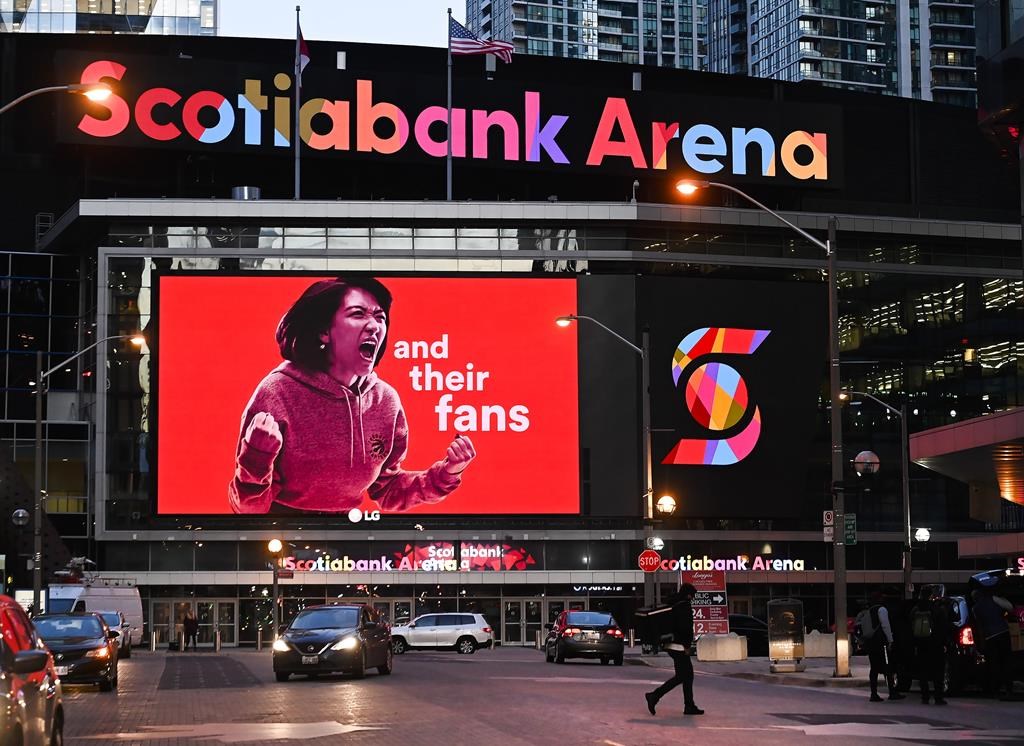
(152, 641)
(216, 640)
(536, 640)
(181, 642)
(259, 639)
(632, 638)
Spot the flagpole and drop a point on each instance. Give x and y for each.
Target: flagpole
(298, 73)
(448, 160)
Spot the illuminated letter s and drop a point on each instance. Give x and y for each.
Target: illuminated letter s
(716, 396)
(118, 108)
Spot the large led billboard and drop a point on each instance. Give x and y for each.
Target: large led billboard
(357, 395)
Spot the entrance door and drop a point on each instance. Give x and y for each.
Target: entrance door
(522, 620)
(512, 627)
(395, 612)
(212, 614)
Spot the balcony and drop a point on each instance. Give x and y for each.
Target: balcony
(950, 22)
(616, 30)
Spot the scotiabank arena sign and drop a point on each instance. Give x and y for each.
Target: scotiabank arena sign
(437, 556)
(369, 113)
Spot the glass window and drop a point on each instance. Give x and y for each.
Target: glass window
(428, 621)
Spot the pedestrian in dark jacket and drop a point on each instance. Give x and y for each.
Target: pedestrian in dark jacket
(878, 638)
(191, 627)
(992, 633)
(679, 650)
(929, 625)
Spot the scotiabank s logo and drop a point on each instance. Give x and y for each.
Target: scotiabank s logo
(716, 395)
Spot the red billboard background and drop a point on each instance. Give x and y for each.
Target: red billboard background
(216, 343)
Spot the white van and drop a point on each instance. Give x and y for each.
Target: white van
(101, 595)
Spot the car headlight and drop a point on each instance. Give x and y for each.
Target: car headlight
(103, 652)
(349, 643)
(280, 645)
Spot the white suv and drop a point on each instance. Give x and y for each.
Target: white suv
(463, 632)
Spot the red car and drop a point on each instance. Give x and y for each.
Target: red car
(31, 706)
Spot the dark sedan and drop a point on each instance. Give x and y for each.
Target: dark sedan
(755, 630)
(83, 646)
(330, 639)
(584, 634)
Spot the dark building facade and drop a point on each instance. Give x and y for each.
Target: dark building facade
(563, 171)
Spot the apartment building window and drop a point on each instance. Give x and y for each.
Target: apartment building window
(872, 54)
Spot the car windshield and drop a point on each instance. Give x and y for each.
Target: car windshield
(590, 618)
(112, 620)
(59, 628)
(326, 619)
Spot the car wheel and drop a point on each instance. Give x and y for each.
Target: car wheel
(618, 660)
(15, 738)
(559, 654)
(360, 670)
(604, 660)
(548, 655)
(466, 646)
(106, 685)
(399, 645)
(128, 650)
(280, 675)
(389, 662)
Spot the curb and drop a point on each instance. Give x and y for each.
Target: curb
(773, 678)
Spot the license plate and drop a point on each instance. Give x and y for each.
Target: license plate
(310, 660)
(591, 635)
(62, 670)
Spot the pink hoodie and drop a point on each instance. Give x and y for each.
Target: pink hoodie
(338, 443)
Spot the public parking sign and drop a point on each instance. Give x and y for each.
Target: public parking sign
(711, 602)
(649, 560)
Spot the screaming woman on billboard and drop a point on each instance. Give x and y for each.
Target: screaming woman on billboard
(321, 429)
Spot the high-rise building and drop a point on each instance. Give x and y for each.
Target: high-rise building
(168, 17)
(669, 33)
(914, 48)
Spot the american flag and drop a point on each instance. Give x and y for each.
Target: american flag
(464, 42)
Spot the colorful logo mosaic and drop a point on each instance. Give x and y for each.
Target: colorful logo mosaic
(716, 396)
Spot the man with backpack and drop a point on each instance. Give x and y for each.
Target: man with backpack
(876, 634)
(929, 625)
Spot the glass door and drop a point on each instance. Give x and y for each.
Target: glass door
(160, 623)
(512, 623)
(227, 614)
(533, 619)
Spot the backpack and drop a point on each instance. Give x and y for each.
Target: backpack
(866, 623)
(921, 624)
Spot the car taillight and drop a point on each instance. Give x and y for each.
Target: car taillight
(966, 636)
(615, 632)
(570, 631)
(487, 630)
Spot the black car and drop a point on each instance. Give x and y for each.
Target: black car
(755, 630)
(84, 648)
(333, 638)
(584, 634)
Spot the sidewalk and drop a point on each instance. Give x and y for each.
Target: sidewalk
(818, 673)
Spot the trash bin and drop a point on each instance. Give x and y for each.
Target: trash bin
(786, 636)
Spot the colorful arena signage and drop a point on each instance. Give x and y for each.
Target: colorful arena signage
(739, 563)
(437, 556)
(529, 127)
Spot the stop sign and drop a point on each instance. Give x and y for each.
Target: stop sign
(649, 560)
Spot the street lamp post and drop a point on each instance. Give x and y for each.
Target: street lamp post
(908, 572)
(92, 91)
(37, 526)
(274, 546)
(842, 651)
(644, 352)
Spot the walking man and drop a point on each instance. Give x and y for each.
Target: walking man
(876, 632)
(679, 650)
(191, 625)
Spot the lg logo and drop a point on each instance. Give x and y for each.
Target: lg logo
(355, 515)
(716, 395)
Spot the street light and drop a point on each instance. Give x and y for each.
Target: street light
(92, 91)
(645, 389)
(688, 187)
(37, 528)
(908, 580)
(274, 546)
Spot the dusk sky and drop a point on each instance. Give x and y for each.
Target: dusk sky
(416, 22)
